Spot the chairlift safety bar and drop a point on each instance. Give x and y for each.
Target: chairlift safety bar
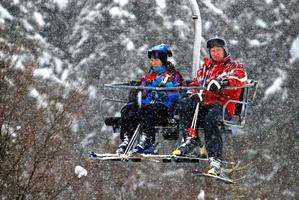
(125, 85)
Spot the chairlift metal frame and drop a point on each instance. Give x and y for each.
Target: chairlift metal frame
(248, 90)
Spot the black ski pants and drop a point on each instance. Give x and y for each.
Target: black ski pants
(208, 118)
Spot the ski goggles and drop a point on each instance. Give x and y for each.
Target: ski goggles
(156, 54)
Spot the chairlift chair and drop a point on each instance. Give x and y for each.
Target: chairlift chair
(169, 130)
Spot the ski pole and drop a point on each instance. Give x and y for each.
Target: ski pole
(193, 125)
(194, 121)
(132, 141)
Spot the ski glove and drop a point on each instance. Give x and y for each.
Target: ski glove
(216, 84)
(159, 95)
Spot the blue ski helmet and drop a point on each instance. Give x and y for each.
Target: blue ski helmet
(217, 42)
(160, 51)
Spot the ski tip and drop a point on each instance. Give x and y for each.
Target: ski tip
(221, 177)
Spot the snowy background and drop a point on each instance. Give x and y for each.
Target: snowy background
(56, 55)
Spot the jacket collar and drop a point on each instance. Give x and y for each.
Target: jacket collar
(223, 61)
(160, 70)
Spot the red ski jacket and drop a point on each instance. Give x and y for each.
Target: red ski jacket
(227, 69)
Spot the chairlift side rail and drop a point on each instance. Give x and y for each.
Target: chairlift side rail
(227, 122)
(110, 99)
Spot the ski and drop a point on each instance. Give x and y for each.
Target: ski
(140, 157)
(221, 177)
(144, 157)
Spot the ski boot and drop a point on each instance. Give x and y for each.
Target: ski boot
(123, 146)
(202, 151)
(186, 148)
(145, 146)
(215, 166)
(188, 145)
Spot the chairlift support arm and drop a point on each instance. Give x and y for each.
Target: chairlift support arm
(197, 36)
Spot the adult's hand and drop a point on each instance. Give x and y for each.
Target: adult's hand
(216, 84)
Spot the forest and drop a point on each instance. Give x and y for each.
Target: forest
(56, 56)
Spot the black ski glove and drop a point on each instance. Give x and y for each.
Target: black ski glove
(216, 84)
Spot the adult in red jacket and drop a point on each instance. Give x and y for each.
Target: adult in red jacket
(217, 72)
